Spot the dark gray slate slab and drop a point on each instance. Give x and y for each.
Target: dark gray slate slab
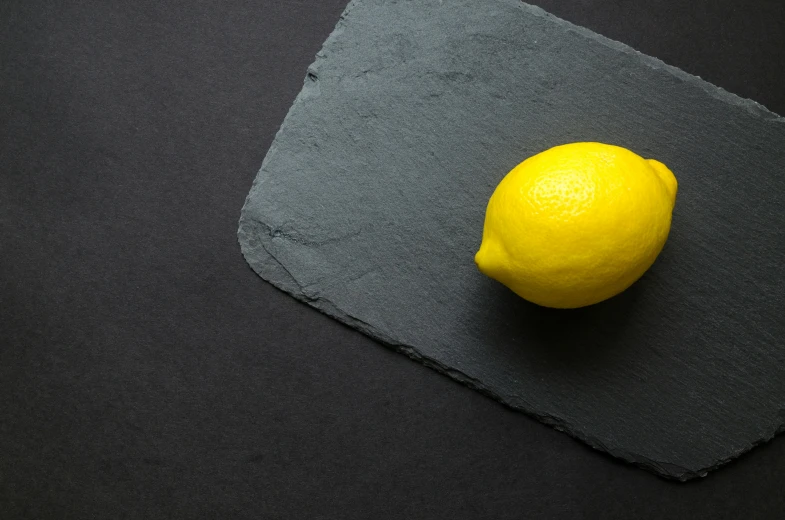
(369, 206)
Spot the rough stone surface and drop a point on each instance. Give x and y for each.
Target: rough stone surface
(369, 206)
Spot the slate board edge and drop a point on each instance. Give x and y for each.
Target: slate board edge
(253, 235)
(713, 90)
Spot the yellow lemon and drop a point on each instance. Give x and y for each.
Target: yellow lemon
(577, 224)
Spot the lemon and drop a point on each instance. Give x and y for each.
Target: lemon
(577, 224)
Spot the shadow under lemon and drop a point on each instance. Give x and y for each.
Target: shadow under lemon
(591, 343)
(591, 339)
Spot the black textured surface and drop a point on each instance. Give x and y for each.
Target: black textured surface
(133, 384)
(370, 204)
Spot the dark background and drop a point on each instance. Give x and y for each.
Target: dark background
(147, 372)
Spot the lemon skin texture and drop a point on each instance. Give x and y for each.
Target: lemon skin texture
(577, 224)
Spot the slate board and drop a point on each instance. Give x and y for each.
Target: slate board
(369, 206)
